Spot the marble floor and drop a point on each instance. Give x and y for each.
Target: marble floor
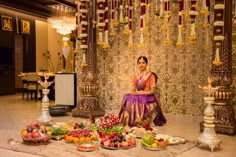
(16, 113)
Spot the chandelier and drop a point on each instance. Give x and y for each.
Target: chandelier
(64, 20)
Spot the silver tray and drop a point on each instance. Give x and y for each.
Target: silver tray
(87, 147)
(111, 148)
(154, 149)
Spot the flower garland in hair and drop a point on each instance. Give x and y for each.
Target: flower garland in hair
(218, 30)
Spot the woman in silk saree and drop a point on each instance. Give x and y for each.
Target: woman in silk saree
(142, 103)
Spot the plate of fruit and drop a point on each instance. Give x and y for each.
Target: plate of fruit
(35, 134)
(118, 141)
(149, 142)
(81, 136)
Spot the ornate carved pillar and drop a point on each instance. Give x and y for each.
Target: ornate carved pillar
(88, 105)
(222, 77)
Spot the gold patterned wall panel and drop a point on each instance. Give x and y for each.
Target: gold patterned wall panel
(180, 69)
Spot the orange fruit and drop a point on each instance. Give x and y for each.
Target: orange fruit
(87, 139)
(68, 138)
(82, 139)
(95, 137)
(24, 133)
(156, 141)
(75, 139)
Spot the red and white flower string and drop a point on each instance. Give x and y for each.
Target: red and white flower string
(100, 20)
(147, 12)
(205, 11)
(121, 17)
(180, 26)
(106, 29)
(142, 22)
(82, 28)
(193, 13)
(126, 22)
(166, 25)
(112, 22)
(218, 29)
(77, 14)
(130, 45)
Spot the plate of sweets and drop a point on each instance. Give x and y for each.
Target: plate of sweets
(140, 132)
(149, 142)
(59, 129)
(172, 140)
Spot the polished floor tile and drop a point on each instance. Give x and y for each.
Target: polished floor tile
(15, 113)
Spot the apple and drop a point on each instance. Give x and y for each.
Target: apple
(35, 135)
(29, 135)
(124, 144)
(106, 143)
(112, 144)
(46, 136)
(163, 144)
(131, 141)
(107, 137)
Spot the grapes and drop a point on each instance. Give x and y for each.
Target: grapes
(29, 129)
(80, 133)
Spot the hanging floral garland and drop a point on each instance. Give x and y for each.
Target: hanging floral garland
(121, 17)
(112, 22)
(126, 22)
(166, 25)
(205, 11)
(160, 14)
(142, 23)
(106, 28)
(77, 14)
(100, 20)
(147, 13)
(180, 26)
(130, 45)
(218, 30)
(82, 5)
(193, 13)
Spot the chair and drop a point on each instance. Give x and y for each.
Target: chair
(32, 85)
(24, 86)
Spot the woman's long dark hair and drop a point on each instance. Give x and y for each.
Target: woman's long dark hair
(144, 58)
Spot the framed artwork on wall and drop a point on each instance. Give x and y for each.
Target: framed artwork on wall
(6, 23)
(25, 27)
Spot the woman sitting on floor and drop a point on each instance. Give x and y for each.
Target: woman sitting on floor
(142, 104)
